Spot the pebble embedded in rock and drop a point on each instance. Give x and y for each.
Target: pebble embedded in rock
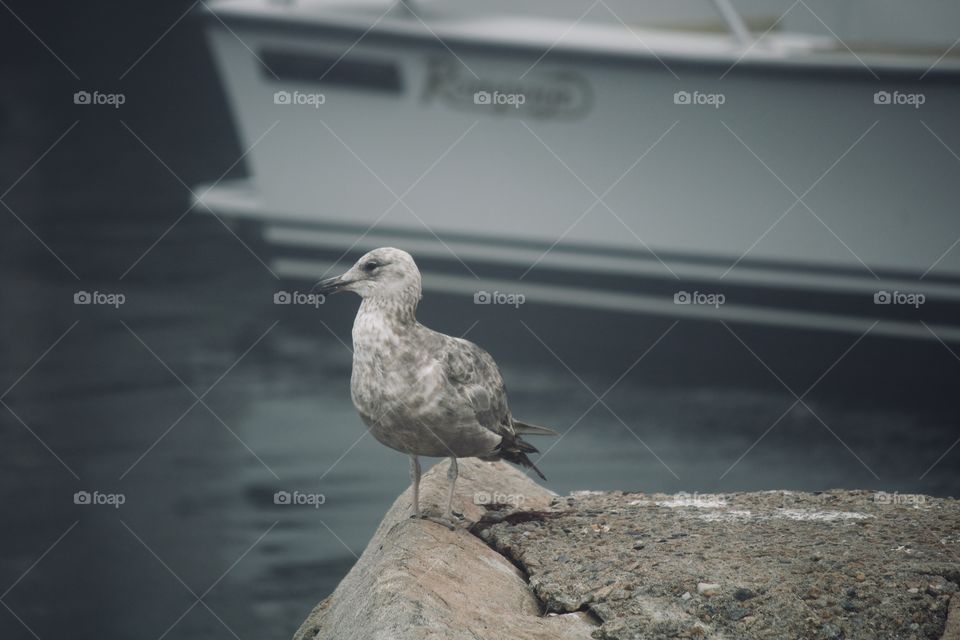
(743, 594)
(736, 612)
(708, 589)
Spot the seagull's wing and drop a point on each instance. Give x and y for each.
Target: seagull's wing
(472, 372)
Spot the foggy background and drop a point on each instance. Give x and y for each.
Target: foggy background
(198, 398)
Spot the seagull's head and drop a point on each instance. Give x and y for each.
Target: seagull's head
(386, 274)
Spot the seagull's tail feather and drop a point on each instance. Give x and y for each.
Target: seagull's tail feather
(515, 450)
(528, 463)
(532, 429)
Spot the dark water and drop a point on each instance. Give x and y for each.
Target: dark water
(104, 400)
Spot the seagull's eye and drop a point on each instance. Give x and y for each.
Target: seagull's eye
(371, 266)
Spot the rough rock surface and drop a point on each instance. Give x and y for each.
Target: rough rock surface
(416, 579)
(831, 565)
(838, 564)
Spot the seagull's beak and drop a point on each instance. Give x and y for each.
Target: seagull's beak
(330, 285)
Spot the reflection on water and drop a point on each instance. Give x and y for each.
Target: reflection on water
(198, 399)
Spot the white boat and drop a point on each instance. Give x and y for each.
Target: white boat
(631, 158)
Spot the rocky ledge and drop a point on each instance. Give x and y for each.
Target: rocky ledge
(530, 565)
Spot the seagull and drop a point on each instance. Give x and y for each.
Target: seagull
(419, 391)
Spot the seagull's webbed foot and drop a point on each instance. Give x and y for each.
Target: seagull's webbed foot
(446, 522)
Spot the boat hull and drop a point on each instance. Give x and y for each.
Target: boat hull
(769, 179)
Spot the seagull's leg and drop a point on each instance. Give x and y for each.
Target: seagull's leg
(415, 481)
(415, 507)
(452, 473)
